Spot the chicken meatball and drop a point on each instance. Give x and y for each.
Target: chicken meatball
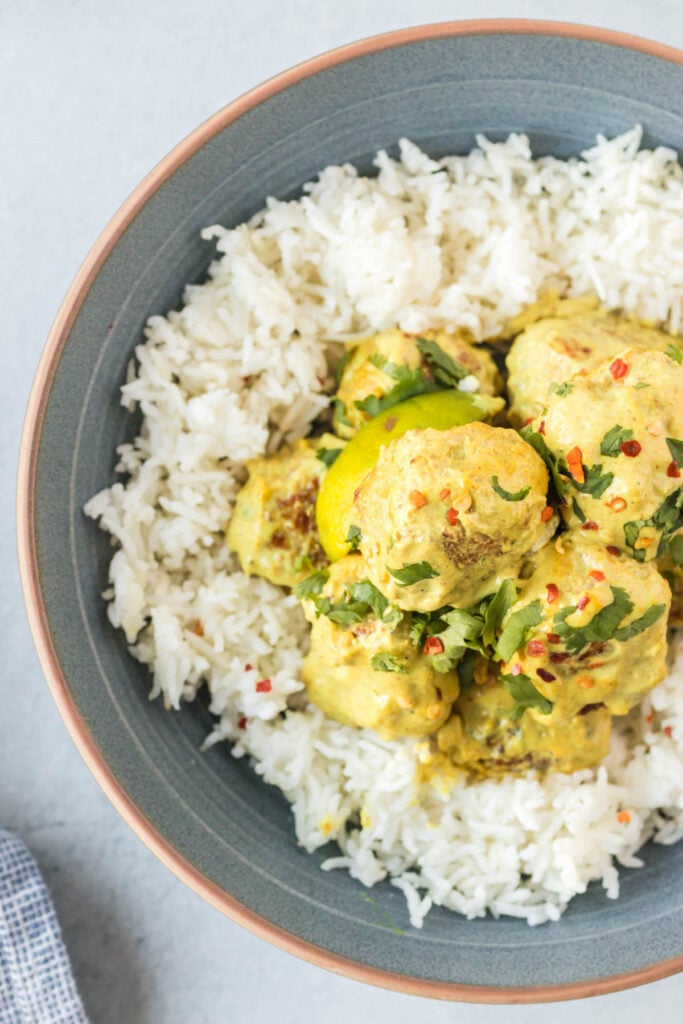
(410, 364)
(616, 437)
(362, 668)
(588, 627)
(491, 735)
(273, 529)
(445, 515)
(553, 350)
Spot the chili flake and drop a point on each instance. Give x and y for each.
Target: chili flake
(616, 504)
(541, 427)
(590, 524)
(546, 676)
(433, 646)
(618, 369)
(417, 499)
(672, 469)
(535, 648)
(668, 731)
(264, 686)
(452, 516)
(445, 494)
(631, 448)
(582, 602)
(650, 718)
(574, 464)
(623, 817)
(546, 513)
(552, 592)
(554, 638)
(557, 657)
(611, 550)
(528, 421)
(248, 668)
(242, 724)
(198, 628)
(586, 682)
(597, 575)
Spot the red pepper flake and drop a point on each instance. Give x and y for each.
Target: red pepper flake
(515, 669)
(546, 676)
(616, 504)
(445, 494)
(590, 525)
(596, 664)
(390, 423)
(623, 817)
(582, 602)
(618, 369)
(631, 448)
(552, 592)
(553, 638)
(242, 724)
(432, 646)
(611, 550)
(668, 731)
(452, 516)
(198, 628)
(586, 682)
(597, 575)
(417, 499)
(264, 686)
(650, 718)
(541, 427)
(546, 513)
(527, 422)
(557, 657)
(574, 464)
(673, 470)
(535, 648)
(248, 668)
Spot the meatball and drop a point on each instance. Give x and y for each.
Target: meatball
(379, 364)
(369, 673)
(553, 350)
(273, 529)
(446, 515)
(616, 435)
(490, 735)
(588, 627)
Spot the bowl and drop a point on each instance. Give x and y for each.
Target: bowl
(207, 816)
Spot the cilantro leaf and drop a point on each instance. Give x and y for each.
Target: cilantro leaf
(385, 661)
(413, 572)
(516, 629)
(509, 495)
(676, 448)
(613, 440)
(466, 670)
(311, 586)
(342, 364)
(353, 537)
(578, 511)
(555, 467)
(676, 549)
(340, 412)
(674, 353)
(445, 369)
(368, 593)
(641, 624)
(595, 483)
(496, 611)
(561, 390)
(525, 695)
(463, 630)
(600, 628)
(409, 383)
(328, 455)
(302, 562)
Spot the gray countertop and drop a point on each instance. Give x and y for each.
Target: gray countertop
(94, 93)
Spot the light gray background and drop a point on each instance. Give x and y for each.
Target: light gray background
(93, 94)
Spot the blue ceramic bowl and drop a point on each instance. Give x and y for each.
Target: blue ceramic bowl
(209, 817)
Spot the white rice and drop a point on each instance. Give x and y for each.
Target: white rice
(460, 242)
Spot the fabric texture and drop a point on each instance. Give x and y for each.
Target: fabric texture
(36, 983)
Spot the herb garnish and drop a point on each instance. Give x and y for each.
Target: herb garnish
(667, 519)
(516, 628)
(509, 495)
(409, 383)
(496, 611)
(328, 455)
(676, 448)
(342, 364)
(561, 390)
(603, 626)
(353, 537)
(466, 670)
(385, 661)
(340, 412)
(413, 572)
(555, 467)
(525, 695)
(595, 483)
(445, 369)
(578, 511)
(311, 586)
(613, 440)
(641, 624)
(674, 353)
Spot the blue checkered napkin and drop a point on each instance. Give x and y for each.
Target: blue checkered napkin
(36, 983)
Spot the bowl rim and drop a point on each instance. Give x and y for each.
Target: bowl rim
(26, 507)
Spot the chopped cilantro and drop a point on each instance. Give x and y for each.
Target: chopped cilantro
(496, 611)
(368, 593)
(384, 661)
(413, 572)
(613, 440)
(555, 466)
(676, 448)
(562, 390)
(667, 519)
(516, 629)
(340, 412)
(466, 670)
(675, 353)
(525, 695)
(353, 537)
(328, 455)
(509, 495)
(463, 630)
(641, 384)
(641, 624)
(600, 628)
(409, 383)
(578, 511)
(342, 364)
(302, 562)
(311, 586)
(595, 483)
(676, 549)
(445, 369)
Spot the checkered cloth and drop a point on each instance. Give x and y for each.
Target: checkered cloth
(36, 983)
